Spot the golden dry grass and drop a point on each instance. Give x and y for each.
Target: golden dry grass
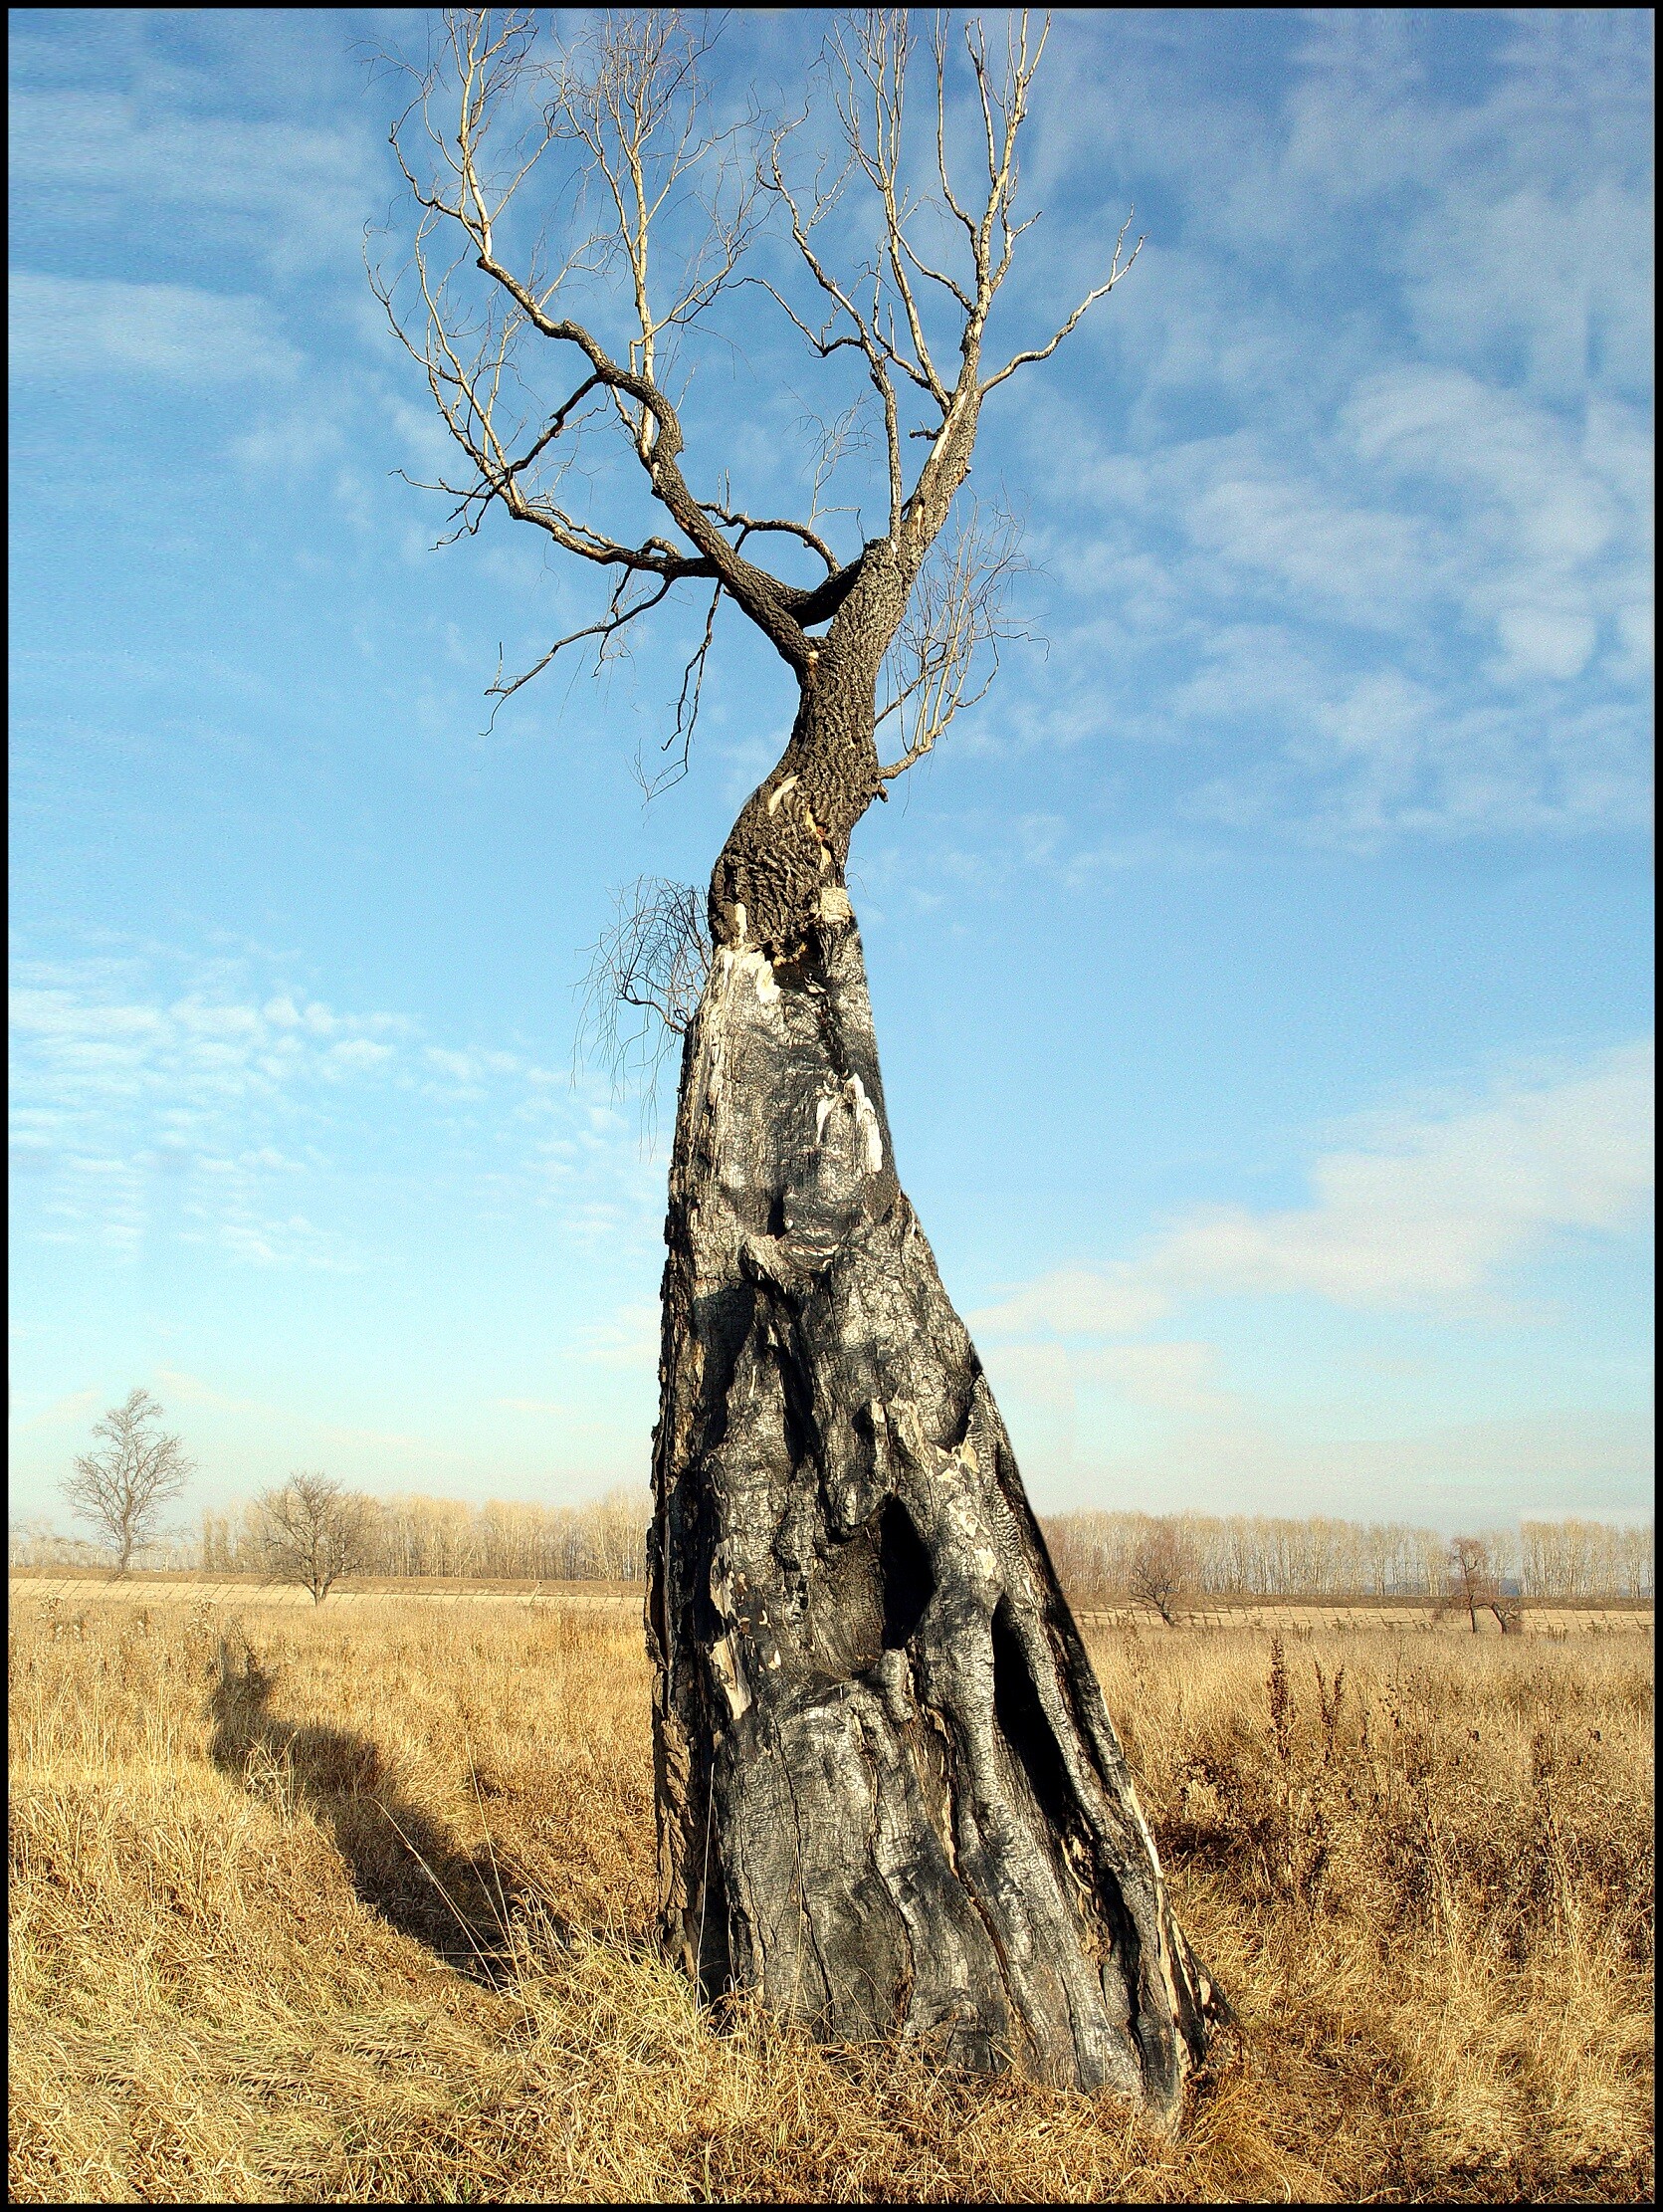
(356, 1911)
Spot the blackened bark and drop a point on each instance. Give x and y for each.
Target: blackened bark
(791, 840)
(890, 1797)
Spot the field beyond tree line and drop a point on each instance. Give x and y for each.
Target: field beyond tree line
(353, 1906)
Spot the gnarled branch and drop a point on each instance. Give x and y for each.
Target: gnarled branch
(616, 123)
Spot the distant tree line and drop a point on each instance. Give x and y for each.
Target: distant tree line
(495, 1542)
(1103, 1558)
(1107, 1557)
(1584, 1559)
(312, 1530)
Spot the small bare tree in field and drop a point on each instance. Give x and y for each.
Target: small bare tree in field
(1475, 1584)
(313, 1532)
(122, 1488)
(1161, 1572)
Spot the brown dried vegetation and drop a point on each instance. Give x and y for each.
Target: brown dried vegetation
(350, 1906)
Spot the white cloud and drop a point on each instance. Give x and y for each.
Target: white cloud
(462, 1067)
(83, 1054)
(1443, 1474)
(168, 333)
(630, 1340)
(213, 1102)
(292, 443)
(1172, 1378)
(265, 1241)
(1039, 1349)
(1427, 1209)
(1553, 515)
(1434, 630)
(357, 1052)
(293, 195)
(1434, 1207)
(72, 1411)
(1073, 1301)
(1474, 279)
(1414, 323)
(118, 1081)
(1368, 564)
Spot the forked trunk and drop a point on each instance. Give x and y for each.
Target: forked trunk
(890, 1798)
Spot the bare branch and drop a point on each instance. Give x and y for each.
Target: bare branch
(863, 333)
(613, 128)
(626, 102)
(879, 61)
(1101, 292)
(680, 741)
(618, 616)
(746, 524)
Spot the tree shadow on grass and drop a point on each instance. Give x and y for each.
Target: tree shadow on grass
(402, 1863)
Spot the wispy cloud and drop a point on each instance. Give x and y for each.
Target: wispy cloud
(230, 1102)
(179, 137)
(1432, 1207)
(1258, 1460)
(1074, 1301)
(629, 1340)
(1427, 1212)
(1424, 1211)
(1373, 552)
(169, 334)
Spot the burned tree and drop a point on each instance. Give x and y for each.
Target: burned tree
(890, 1798)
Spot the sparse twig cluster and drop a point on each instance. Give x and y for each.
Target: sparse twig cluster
(951, 632)
(645, 973)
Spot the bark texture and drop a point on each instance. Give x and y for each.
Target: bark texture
(890, 1797)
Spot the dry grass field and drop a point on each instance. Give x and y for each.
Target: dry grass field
(350, 1906)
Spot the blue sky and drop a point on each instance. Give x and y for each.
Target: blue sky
(1262, 971)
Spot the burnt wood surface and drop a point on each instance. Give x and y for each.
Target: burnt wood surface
(890, 1798)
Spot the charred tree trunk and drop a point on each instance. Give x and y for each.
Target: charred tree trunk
(889, 1794)
(890, 1797)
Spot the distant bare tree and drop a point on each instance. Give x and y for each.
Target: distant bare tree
(122, 1488)
(1161, 1570)
(617, 1535)
(313, 1532)
(32, 1543)
(1476, 1585)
